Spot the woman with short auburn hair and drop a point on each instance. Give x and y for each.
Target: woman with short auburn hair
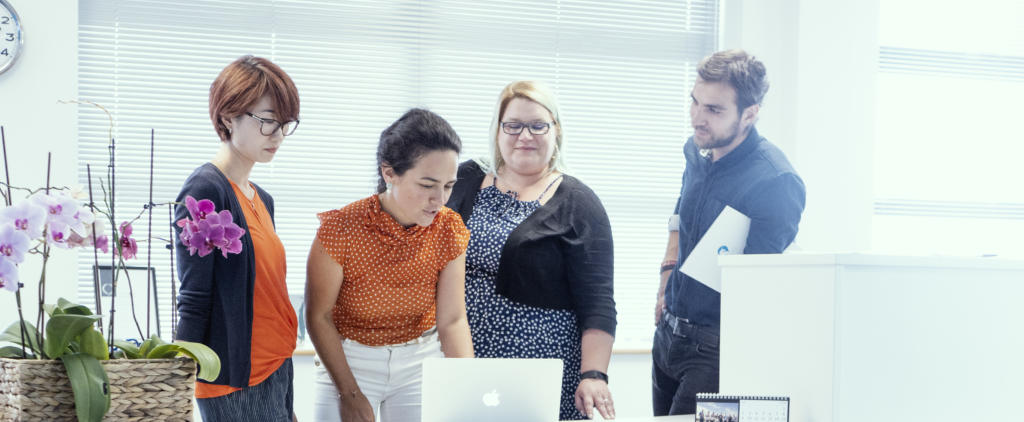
(238, 304)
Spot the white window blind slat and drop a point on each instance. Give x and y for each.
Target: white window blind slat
(622, 71)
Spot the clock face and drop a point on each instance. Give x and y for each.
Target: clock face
(10, 36)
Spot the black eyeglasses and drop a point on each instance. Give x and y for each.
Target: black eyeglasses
(287, 128)
(535, 128)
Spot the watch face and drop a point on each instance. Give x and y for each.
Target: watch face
(10, 36)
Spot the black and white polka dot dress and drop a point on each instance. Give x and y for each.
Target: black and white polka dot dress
(500, 327)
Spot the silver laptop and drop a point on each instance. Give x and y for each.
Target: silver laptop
(492, 390)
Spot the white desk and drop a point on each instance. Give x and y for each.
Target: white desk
(853, 337)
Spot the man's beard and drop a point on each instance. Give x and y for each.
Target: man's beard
(719, 141)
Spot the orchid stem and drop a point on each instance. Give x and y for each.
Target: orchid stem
(95, 253)
(9, 200)
(174, 281)
(7, 168)
(40, 319)
(149, 235)
(116, 251)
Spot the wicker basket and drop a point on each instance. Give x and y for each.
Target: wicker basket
(142, 389)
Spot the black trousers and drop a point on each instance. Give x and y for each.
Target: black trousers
(684, 364)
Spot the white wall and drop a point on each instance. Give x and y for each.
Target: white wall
(822, 59)
(36, 124)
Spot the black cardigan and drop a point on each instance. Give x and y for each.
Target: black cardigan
(215, 299)
(560, 257)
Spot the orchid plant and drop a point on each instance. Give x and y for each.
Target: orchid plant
(53, 218)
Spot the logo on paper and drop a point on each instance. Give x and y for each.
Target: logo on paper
(492, 399)
(722, 250)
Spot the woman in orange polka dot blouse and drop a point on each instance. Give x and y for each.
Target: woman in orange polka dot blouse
(386, 279)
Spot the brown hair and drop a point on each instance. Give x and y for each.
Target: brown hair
(743, 72)
(242, 83)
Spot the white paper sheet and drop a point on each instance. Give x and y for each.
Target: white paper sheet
(726, 236)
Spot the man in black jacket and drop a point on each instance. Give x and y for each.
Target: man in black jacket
(727, 164)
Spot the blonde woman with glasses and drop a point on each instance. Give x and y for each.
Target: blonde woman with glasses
(539, 262)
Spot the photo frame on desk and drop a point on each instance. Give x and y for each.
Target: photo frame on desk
(124, 320)
(725, 408)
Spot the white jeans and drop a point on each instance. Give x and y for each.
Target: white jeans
(389, 376)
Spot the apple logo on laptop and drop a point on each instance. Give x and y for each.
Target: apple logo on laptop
(491, 399)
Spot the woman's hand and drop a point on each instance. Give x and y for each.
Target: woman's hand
(355, 407)
(593, 393)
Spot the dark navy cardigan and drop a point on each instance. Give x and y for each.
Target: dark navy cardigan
(560, 257)
(215, 298)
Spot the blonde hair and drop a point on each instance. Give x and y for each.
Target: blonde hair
(540, 94)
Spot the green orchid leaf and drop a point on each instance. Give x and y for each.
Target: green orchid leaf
(128, 349)
(62, 329)
(13, 334)
(209, 362)
(52, 309)
(90, 385)
(149, 344)
(14, 352)
(164, 351)
(72, 308)
(92, 343)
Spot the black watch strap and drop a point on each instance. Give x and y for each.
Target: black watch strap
(595, 374)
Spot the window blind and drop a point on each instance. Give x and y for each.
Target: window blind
(622, 72)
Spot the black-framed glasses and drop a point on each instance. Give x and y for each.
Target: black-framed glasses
(535, 128)
(287, 128)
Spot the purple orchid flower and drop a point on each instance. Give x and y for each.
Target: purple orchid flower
(199, 209)
(59, 207)
(103, 243)
(209, 230)
(76, 240)
(8, 275)
(27, 217)
(57, 234)
(129, 248)
(79, 220)
(13, 244)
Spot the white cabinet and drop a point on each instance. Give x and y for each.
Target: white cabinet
(853, 337)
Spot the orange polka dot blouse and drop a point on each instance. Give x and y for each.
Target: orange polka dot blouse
(390, 273)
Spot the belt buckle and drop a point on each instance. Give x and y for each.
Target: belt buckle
(680, 326)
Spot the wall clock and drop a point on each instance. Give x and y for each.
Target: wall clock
(10, 36)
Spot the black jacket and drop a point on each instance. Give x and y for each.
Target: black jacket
(215, 299)
(560, 257)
